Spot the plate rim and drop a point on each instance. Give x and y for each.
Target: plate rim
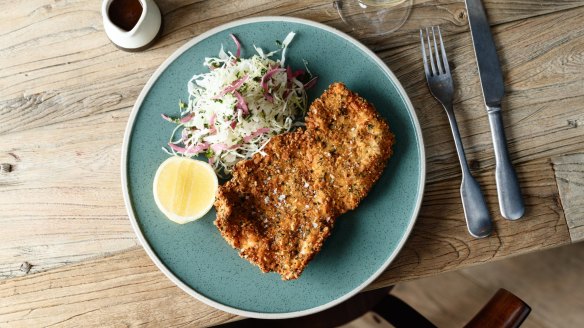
(124, 167)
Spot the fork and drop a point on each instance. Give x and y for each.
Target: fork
(441, 86)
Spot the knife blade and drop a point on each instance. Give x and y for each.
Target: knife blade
(508, 190)
(486, 53)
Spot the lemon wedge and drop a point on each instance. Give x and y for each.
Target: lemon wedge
(184, 189)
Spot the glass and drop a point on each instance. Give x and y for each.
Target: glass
(373, 17)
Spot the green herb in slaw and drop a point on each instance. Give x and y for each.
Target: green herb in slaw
(235, 108)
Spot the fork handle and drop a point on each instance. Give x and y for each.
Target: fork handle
(508, 190)
(476, 213)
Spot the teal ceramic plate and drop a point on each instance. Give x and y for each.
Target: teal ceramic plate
(364, 241)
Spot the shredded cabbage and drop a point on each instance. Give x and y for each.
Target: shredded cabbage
(235, 108)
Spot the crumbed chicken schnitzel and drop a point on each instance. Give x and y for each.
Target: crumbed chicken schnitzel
(278, 209)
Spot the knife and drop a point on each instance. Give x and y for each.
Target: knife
(508, 190)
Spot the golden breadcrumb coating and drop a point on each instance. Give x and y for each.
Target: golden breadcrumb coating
(278, 209)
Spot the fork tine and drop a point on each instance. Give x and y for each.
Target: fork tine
(444, 58)
(438, 61)
(426, 68)
(430, 51)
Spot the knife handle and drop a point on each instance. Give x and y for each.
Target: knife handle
(508, 190)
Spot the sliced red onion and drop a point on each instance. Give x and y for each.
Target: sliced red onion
(219, 147)
(211, 161)
(200, 147)
(237, 84)
(177, 148)
(241, 102)
(166, 118)
(187, 118)
(189, 151)
(292, 75)
(310, 83)
(258, 132)
(269, 75)
(234, 86)
(269, 97)
(238, 52)
(212, 120)
(298, 73)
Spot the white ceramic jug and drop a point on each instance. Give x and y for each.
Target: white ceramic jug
(142, 35)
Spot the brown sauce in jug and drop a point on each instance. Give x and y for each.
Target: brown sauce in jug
(125, 13)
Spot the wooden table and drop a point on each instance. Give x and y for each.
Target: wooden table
(68, 255)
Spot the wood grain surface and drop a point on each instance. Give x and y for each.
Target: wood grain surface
(125, 289)
(65, 97)
(569, 171)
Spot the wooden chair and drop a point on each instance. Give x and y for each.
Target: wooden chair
(504, 310)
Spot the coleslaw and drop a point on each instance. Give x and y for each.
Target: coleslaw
(234, 109)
